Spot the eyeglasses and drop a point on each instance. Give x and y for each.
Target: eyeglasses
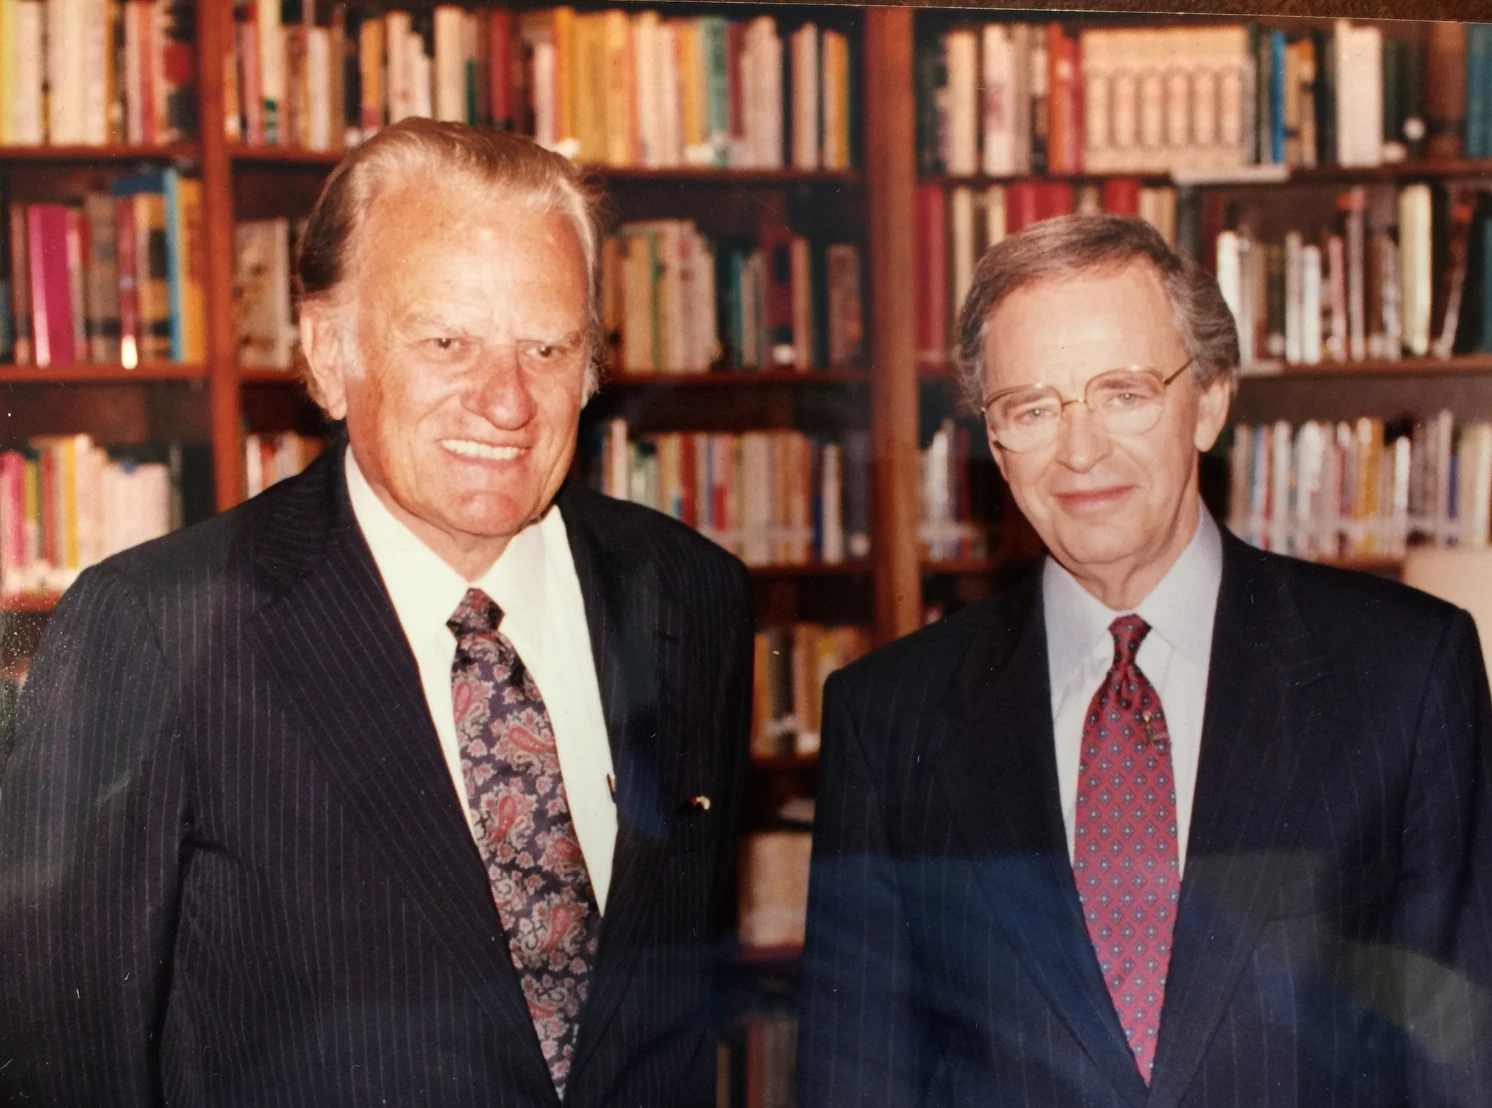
(1124, 402)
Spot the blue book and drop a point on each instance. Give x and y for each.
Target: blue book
(1277, 96)
(1477, 89)
(1484, 343)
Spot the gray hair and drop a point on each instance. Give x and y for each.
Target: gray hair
(1072, 244)
(515, 166)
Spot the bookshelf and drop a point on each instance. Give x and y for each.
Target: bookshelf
(895, 394)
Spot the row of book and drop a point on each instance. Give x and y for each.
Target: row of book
(66, 503)
(960, 497)
(676, 301)
(769, 497)
(613, 87)
(95, 72)
(274, 457)
(264, 309)
(115, 277)
(1364, 488)
(792, 664)
(956, 225)
(772, 883)
(1007, 99)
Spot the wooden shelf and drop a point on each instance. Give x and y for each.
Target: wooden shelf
(954, 567)
(1252, 176)
(38, 602)
(99, 373)
(813, 569)
(269, 154)
(113, 153)
(736, 378)
(1376, 367)
(786, 763)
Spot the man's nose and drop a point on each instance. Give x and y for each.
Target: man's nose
(500, 391)
(1081, 440)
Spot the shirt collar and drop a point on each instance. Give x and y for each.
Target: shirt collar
(1180, 609)
(424, 589)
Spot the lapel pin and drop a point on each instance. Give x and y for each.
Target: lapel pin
(701, 802)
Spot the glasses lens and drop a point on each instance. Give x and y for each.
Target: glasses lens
(1127, 401)
(1025, 420)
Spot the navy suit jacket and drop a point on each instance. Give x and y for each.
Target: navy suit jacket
(233, 870)
(1333, 945)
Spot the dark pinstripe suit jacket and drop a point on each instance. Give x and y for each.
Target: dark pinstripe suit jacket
(233, 870)
(1334, 937)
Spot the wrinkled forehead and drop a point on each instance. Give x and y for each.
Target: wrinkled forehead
(1067, 330)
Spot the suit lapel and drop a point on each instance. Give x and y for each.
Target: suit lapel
(997, 769)
(339, 655)
(1269, 730)
(635, 629)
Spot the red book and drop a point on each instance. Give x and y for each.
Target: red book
(688, 448)
(735, 43)
(129, 289)
(1020, 206)
(51, 285)
(1121, 195)
(144, 16)
(1053, 198)
(775, 241)
(251, 95)
(932, 278)
(499, 71)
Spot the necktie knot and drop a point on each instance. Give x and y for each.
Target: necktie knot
(1129, 632)
(477, 614)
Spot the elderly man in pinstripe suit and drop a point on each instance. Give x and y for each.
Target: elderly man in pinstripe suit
(413, 780)
(1172, 822)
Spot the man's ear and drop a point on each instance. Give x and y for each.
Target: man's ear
(322, 337)
(1212, 411)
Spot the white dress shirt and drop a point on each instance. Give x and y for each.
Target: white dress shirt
(1174, 656)
(535, 585)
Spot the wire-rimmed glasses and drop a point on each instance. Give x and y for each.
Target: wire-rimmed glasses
(1125, 402)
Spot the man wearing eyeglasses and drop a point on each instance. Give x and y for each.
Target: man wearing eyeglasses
(1172, 821)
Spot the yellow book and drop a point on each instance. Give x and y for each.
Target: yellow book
(370, 69)
(567, 81)
(592, 81)
(194, 285)
(691, 84)
(621, 100)
(67, 488)
(9, 67)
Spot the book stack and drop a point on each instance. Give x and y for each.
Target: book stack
(956, 225)
(773, 879)
(271, 458)
(615, 88)
(960, 501)
(66, 503)
(94, 72)
(1361, 489)
(1010, 99)
(113, 277)
(792, 664)
(264, 315)
(677, 302)
(769, 497)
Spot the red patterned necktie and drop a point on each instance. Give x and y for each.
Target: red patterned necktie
(523, 828)
(1126, 862)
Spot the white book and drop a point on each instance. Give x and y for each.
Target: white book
(1281, 474)
(1294, 292)
(1310, 452)
(1310, 296)
(1248, 280)
(272, 69)
(1403, 468)
(27, 122)
(96, 62)
(995, 220)
(647, 67)
(67, 120)
(319, 77)
(1230, 277)
(1098, 106)
(1336, 266)
(804, 45)
(1359, 68)
(422, 77)
(998, 101)
(450, 63)
(399, 76)
(1414, 267)
(961, 50)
